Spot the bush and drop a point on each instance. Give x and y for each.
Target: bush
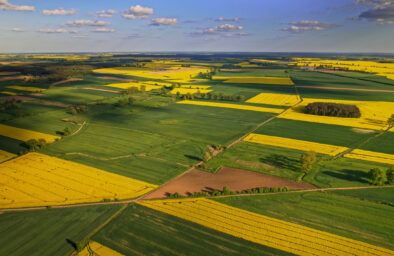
(332, 109)
(390, 175)
(377, 176)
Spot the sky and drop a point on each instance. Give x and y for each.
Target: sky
(196, 25)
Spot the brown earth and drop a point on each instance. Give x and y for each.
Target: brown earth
(66, 81)
(234, 179)
(7, 78)
(117, 78)
(103, 90)
(38, 94)
(12, 62)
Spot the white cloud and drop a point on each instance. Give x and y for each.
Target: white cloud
(225, 28)
(138, 11)
(164, 21)
(60, 11)
(129, 16)
(228, 19)
(85, 23)
(104, 30)
(389, 22)
(106, 14)
(17, 30)
(52, 31)
(6, 6)
(80, 36)
(308, 25)
(74, 31)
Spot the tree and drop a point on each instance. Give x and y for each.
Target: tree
(66, 131)
(206, 157)
(390, 121)
(307, 161)
(377, 176)
(390, 175)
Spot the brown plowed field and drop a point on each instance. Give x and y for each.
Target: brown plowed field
(234, 179)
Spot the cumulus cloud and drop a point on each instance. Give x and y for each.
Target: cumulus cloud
(104, 30)
(237, 34)
(222, 29)
(52, 31)
(73, 31)
(85, 23)
(164, 21)
(308, 25)
(60, 11)
(80, 36)
(6, 6)
(106, 14)
(138, 11)
(17, 30)
(228, 19)
(379, 10)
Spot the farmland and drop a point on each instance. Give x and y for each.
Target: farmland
(193, 154)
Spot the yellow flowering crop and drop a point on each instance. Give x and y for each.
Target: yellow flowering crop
(188, 90)
(371, 156)
(25, 88)
(374, 114)
(9, 93)
(228, 105)
(255, 80)
(4, 155)
(275, 99)
(148, 87)
(24, 135)
(282, 235)
(294, 144)
(178, 76)
(36, 179)
(94, 248)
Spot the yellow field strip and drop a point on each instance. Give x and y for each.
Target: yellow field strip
(148, 87)
(275, 99)
(189, 90)
(25, 88)
(4, 155)
(96, 249)
(36, 179)
(24, 135)
(228, 105)
(282, 235)
(371, 156)
(294, 144)
(9, 93)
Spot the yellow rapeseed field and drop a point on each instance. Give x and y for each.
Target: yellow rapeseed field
(374, 114)
(9, 93)
(189, 90)
(148, 87)
(25, 88)
(294, 144)
(36, 179)
(255, 80)
(96, 249)
(275, 99)
(371, 156)
(176, 75)
(382, 69)
(282, 235)
(24, 135)
(228, 105)
(4, 155)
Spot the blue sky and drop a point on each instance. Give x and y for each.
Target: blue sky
(197, 25)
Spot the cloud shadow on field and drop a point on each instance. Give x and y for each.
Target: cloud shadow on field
(351, 175)
(281, 161)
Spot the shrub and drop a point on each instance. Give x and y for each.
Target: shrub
(390, 175)
(332, 109)
(377, 176)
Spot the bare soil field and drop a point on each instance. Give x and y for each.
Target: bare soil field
(234, 179)
(116, 78)
(5, 73)
(66, 81)
(16, 97)
(7, 78)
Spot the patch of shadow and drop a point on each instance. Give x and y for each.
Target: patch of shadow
(72, 243)
(351, 175)
(283, 162)
(193, 157)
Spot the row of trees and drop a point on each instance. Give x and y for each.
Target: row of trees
(226, 191)
(332, 109)
(211, 96)
(380, 177)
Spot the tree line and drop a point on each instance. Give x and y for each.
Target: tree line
(332, 109)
